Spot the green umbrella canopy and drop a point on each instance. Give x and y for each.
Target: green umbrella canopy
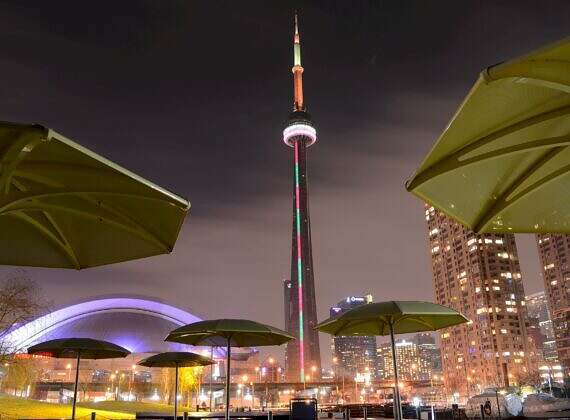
(70, 348)
(63, 206)
(502, 163)
(176, 359)
(406, 317)
(229, 333)
(240, 332)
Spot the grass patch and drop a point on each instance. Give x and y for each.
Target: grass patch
(133, 407)
(13, 407)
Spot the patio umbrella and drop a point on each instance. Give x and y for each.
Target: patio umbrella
(229, 333)
(78, 348)
(63, 206)
(389, 318)
(502, 163)
(176, 360)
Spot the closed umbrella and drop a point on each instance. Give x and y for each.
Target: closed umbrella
(229, 333)
(390, 318)
(502, 163)
(63, 206)
(176, 360)
(78, 348)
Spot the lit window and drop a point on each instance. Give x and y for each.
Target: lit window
(503, 331)
(553, 282)
(549, 266)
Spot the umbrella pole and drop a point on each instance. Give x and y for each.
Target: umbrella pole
(228, 378)
(211, 375)
(75, 386)
(176, 393)
(397, 407)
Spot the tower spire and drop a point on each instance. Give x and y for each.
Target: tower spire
(298, 104)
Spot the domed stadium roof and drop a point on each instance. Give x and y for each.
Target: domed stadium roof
(138, 324)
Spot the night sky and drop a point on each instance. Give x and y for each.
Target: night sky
(193, 96)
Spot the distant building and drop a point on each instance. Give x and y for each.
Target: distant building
(429, 351)
(411, 366)
(353, 354)
(479, 275)
(540, 326)
(554, 253)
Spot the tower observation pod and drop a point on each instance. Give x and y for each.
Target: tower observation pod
(299, 124)
(302, 356)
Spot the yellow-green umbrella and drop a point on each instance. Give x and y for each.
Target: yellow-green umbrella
(176, 359)
(389, 318)
(502, 164)
(63, 206)
(229, 333)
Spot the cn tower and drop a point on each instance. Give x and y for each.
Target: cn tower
(302, 356)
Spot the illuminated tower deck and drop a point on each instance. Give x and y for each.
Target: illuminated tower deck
(302, 355)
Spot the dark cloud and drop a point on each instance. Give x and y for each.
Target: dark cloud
(193, 95)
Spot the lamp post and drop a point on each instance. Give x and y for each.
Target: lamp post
(68, 367)
(211, 375)
(119, 386)
(113, 376)
(132, 382)
(244, 380)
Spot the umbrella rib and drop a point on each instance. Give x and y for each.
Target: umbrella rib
(423, 322)
(68, 252)
(453, 161)
(521, 71)
(501, 203)
(124, 215)
(12, 157)
(134, 230)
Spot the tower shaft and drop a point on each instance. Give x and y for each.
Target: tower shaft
(303, 354)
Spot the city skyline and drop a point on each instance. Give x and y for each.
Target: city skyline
(210, 132)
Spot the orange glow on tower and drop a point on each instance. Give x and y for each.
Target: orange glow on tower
(298, 103)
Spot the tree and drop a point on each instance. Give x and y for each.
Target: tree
(20, 302)
(188, 382)
(21, 377)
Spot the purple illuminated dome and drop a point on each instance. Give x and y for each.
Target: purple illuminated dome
(138, 324)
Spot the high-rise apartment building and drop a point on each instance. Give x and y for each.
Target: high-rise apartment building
(478, 275)
(411, 366)
(428, 350)
(554, 253)
(354, 354)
